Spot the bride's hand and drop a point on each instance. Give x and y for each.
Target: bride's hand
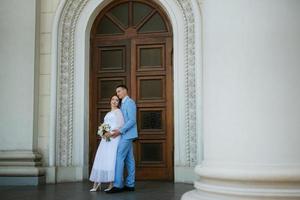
(115, 133)
(107, 134)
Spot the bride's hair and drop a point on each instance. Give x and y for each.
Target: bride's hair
(115, 95)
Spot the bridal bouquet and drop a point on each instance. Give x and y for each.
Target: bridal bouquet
(102, 129)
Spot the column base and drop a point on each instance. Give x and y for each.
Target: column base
(69, 174)
(246, 183)
(199, 195)
(21, 168)
(62, 174)
(184, 174)
(22, 180)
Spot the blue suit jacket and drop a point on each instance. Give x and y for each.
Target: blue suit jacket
(129, 129)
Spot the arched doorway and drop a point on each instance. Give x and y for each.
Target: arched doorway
(131, 43)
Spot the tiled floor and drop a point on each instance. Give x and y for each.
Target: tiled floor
(80, 191)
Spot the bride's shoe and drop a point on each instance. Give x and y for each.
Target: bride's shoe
(96, 187)
(109, 188)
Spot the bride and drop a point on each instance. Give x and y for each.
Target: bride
(103, 170)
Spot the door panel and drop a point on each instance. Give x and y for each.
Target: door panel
(150, 57)
(152, 120)
(151, 89)
(112, 59)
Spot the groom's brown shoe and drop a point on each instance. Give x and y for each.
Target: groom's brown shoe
(129, 189)
(114, 190)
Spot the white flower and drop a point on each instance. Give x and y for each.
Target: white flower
(102, 129)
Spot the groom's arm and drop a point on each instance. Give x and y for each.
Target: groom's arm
(131, 110)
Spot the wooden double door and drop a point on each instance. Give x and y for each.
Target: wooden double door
(136, 52)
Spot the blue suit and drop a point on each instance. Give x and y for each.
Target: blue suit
(125, 148)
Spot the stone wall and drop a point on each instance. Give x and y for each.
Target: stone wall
(47, 12)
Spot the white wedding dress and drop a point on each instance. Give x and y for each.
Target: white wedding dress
(103, 170)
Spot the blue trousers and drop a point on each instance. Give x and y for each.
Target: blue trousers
(125, 157)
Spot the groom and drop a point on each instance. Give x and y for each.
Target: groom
(125, 148)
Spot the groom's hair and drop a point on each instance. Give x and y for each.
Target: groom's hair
(122, 86)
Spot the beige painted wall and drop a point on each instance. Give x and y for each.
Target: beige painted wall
(48, 8)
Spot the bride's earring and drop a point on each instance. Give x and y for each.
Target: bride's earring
(96, 187)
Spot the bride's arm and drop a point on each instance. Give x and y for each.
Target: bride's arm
(119, 119)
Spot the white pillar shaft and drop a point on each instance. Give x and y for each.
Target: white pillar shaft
(251, 101)
(17, 76)
(19, 161)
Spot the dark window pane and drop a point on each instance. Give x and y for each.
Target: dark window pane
(140, 10)
(151, 89)
(150, 57)
(107, 27)
(151, 152)
(155, 24)
(112, 59)
(151, 119)
(107, 88)
(121, 13)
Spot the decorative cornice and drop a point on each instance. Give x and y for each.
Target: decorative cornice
(64, 130)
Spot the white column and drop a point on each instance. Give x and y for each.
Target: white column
(251, 101)
(19, 161)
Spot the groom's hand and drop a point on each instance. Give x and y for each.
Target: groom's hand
(115, 133)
